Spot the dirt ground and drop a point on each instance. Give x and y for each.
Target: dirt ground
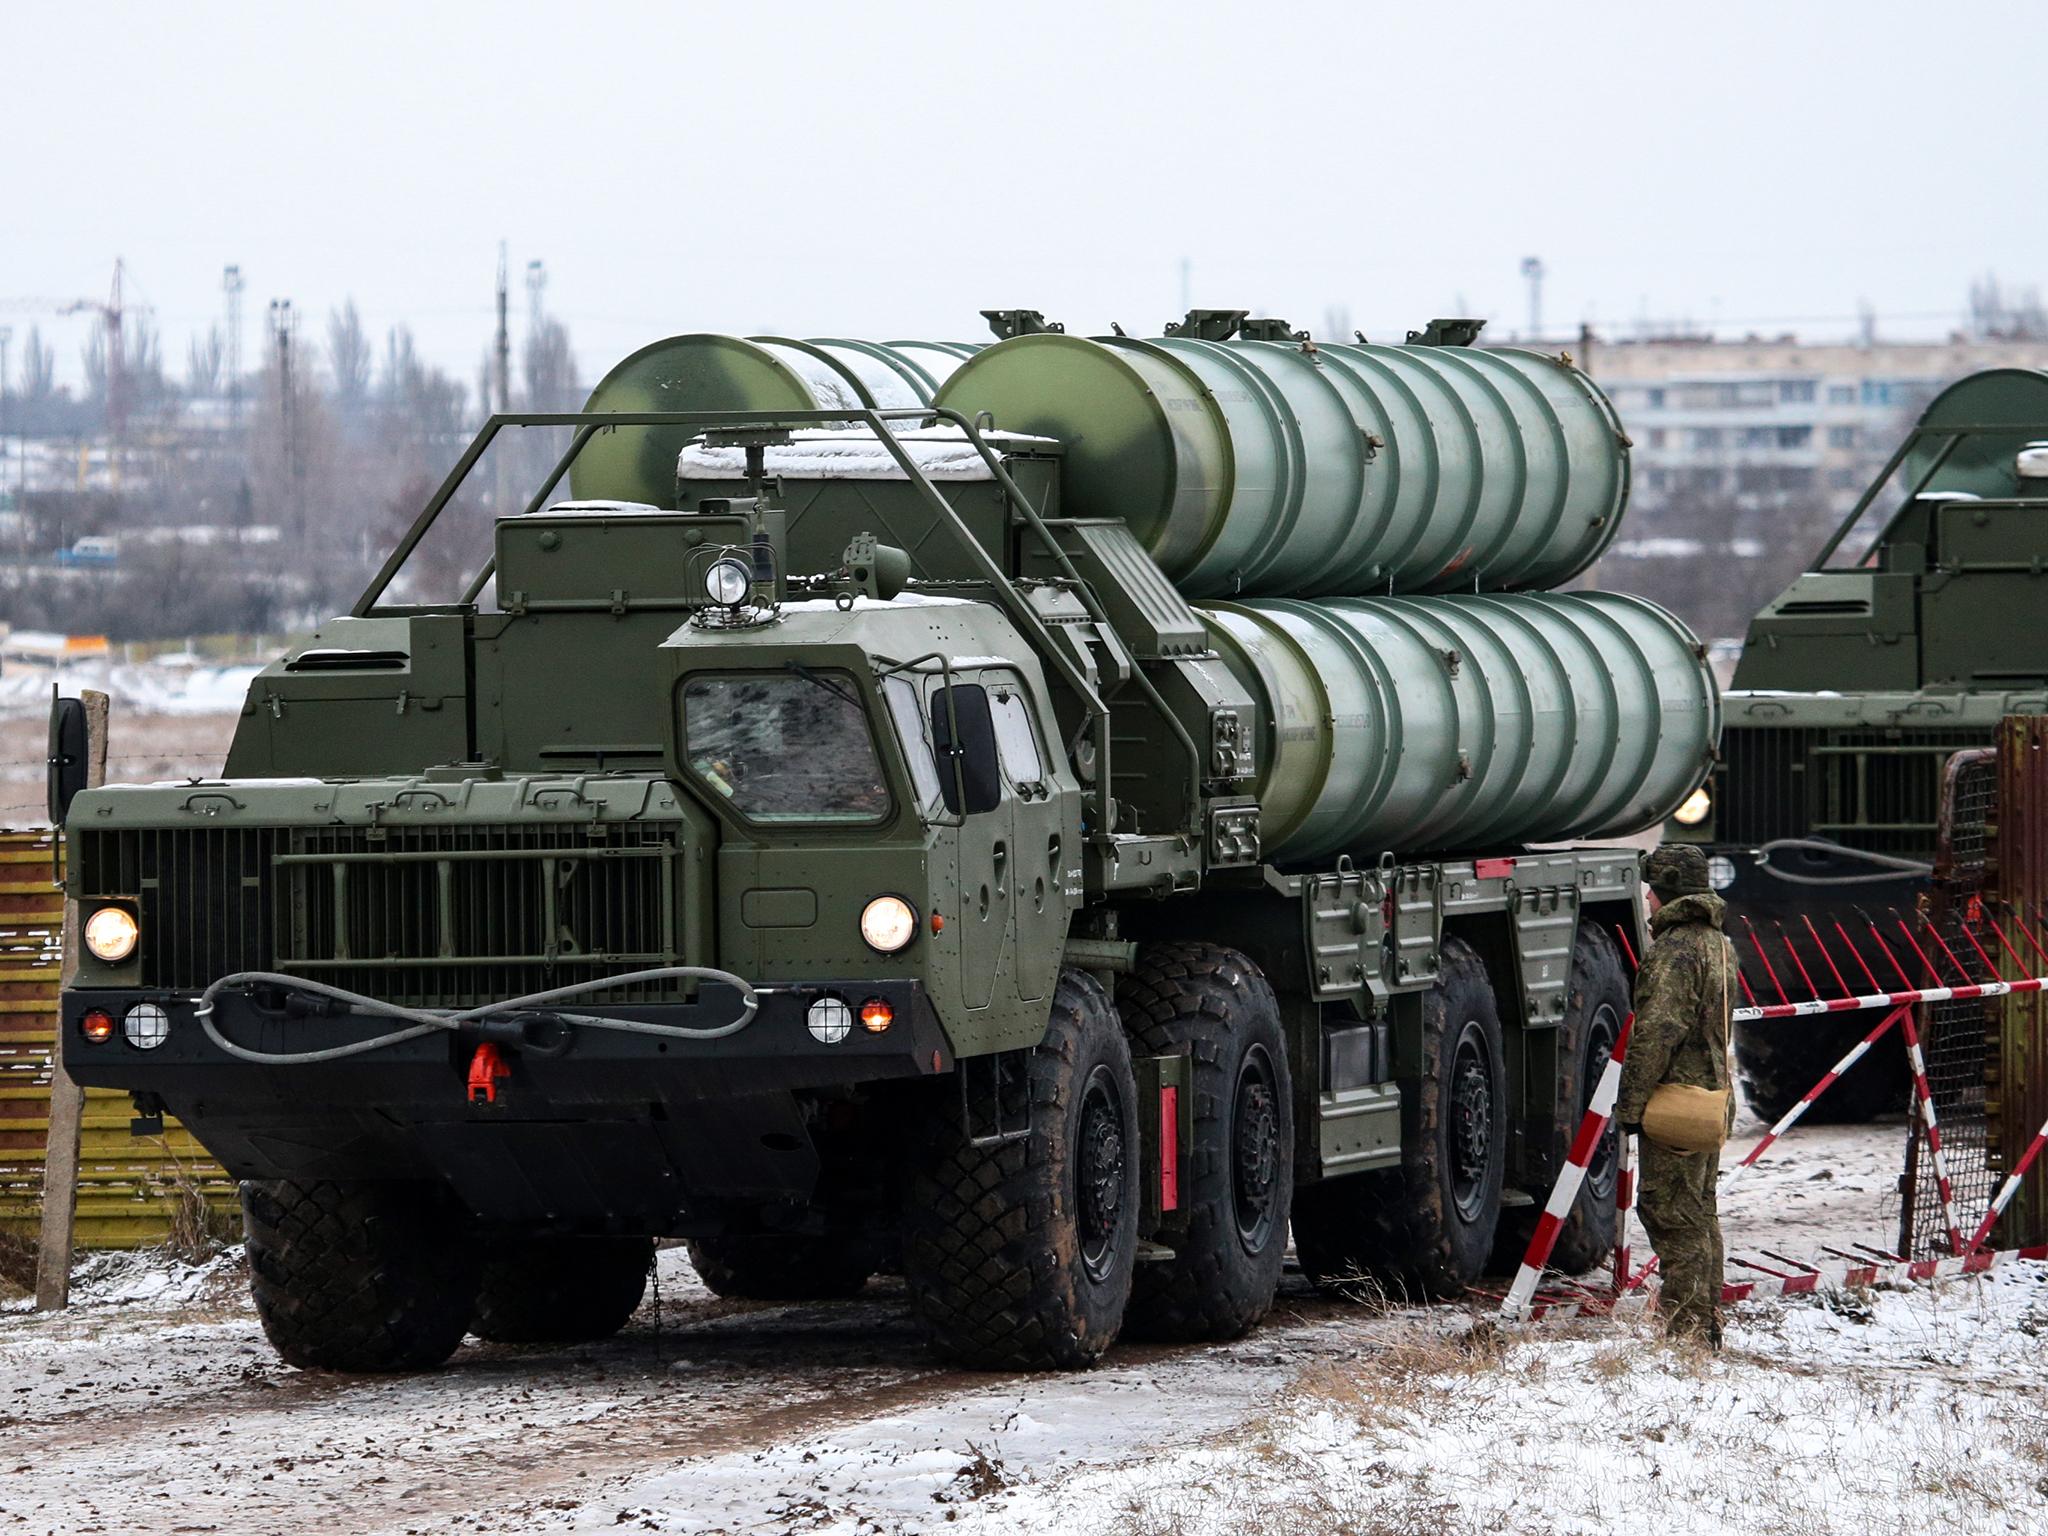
(156, 1402)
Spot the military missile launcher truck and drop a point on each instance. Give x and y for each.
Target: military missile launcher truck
(1856, 686)
(1010, 839)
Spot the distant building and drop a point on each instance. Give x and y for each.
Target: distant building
(1754, 420)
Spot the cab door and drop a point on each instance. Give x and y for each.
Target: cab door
(975, 789)
(1036, 853)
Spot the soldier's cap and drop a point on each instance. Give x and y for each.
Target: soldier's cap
(1677, 869)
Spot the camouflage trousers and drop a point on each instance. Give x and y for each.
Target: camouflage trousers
(1676, 1198)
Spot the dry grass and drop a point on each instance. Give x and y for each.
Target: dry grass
(17, 1266)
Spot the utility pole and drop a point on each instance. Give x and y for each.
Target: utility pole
(1187, 270)
(501, 368)
(1532, 269)
(282, 325)
(503, 352)
(6, 335)
(231, 289)
(536, 286)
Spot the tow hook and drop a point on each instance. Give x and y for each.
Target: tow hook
(487, 1069)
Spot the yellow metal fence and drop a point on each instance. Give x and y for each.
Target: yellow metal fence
(128, 1187)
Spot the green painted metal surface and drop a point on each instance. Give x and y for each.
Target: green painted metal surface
(1982, 464)
(1426, 722)
(1258, 468)
(703, 371)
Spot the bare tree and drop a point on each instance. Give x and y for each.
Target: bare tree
(205, 357)
(38, 368)
(348, 357)
(549, 369)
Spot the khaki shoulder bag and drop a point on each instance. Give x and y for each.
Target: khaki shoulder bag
(1688, 1119)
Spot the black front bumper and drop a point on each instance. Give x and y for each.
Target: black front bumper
(617, 1130)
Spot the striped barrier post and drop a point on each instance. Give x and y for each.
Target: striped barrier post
(1569, 1180)
(1926, 1099)
(1791, 1116)
(2008, 1189)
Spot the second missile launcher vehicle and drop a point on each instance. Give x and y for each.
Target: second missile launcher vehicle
(1894, 651)
(858, 853)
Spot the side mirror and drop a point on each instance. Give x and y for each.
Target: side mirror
(970, 778)
(67, 755)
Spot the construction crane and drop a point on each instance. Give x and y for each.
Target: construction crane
(112, 310)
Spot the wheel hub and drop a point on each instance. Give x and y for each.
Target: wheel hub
(1255, 1151)
(1471, 1122)
(1099, 1173)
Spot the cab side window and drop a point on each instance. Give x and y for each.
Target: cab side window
(1016, 740)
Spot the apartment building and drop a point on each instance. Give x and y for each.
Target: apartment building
(1735, 421)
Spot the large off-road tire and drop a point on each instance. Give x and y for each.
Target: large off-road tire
(1018, 1255)
(782, 1266)
(1426, 1228)
(1597, 1005)
(560, 1290)
(1781, 1059)
(1237, 1184)
(359, 1277)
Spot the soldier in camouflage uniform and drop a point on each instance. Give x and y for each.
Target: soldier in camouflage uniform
(1681, 1036)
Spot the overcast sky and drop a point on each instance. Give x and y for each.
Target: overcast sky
(887, 170)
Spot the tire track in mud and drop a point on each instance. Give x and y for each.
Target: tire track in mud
(504, 1433)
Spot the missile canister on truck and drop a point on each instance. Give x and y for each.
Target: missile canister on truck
(867, 858)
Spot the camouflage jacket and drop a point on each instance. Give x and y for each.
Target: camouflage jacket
(1684, 992)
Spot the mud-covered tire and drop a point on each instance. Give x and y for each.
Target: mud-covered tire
(1595, 1008)
(781, 1266)
(1779, 1060)
(1216, 1006)
(359, 1277)
(1018, 1256)
(1426, 1228)
(559, 1290)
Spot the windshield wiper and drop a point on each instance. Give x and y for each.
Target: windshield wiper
(816, 681)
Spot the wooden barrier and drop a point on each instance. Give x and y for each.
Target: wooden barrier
(128, 1187)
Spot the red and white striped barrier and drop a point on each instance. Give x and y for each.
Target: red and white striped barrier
(1569, 1180)
(1891, 999)
(1853, 1276)
(2009, 1188)
(1925, 1096)
(1520, 1302)
(1791, 1116)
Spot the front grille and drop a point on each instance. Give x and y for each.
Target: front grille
(433, 916)
(1877, 789)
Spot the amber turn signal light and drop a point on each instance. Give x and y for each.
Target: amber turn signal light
(876, 1016)
(96, 1025)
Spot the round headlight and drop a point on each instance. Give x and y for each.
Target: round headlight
(146, 1026)
(1694, 811)
(829, 1021)
(110, 934)
(728, 581)
(1720, 872)
(888, 923)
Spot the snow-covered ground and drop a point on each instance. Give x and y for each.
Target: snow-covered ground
(155, 1403)
(181, 685)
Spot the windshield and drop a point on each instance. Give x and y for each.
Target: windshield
(785, 746)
